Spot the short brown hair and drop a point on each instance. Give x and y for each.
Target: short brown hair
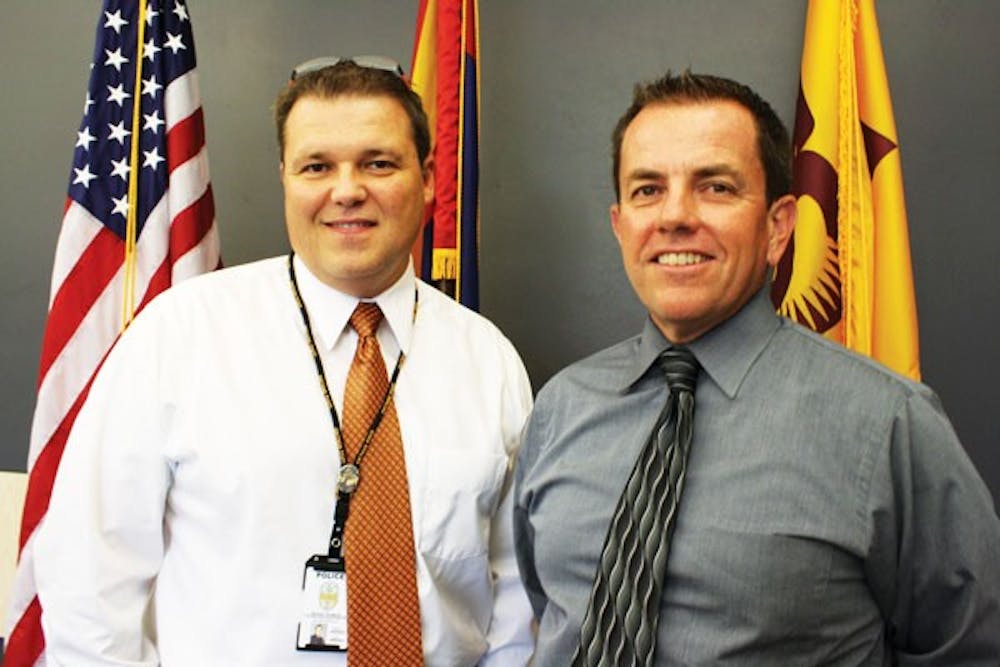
(347, 78)
(773, 143)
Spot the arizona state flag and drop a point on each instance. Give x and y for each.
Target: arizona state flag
(846, 273)
(446, 76)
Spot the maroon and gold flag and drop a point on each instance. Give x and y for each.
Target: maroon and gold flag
(846, 273)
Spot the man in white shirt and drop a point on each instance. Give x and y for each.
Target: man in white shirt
(202, 472)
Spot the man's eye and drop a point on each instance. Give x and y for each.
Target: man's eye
(314, 168)
(720, 188)
(381, 165)
(645, 191)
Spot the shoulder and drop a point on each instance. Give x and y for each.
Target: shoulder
(863, 400)
(594, 380)
(578, 393)
(604, 370)
(810, 356)
(226, 297)
(451, 323)
(453, 342)
(225, 287)
(242, 278)
(458, 357)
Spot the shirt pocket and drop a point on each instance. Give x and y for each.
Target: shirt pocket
(462, 493)
(781, 595)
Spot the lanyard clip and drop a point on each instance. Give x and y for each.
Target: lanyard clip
(336, 550)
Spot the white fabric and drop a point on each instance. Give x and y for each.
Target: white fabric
(200, 475)
(13, 486)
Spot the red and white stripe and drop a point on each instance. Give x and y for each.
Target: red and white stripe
(179, 240)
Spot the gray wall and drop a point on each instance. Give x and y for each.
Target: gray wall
(556, 75)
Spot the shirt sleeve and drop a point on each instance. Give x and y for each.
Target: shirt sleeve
(510, 637)
(524, 532)
(101, 543)
(935, 543)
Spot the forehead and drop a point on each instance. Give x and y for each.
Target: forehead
(682, 133)
(348, 117)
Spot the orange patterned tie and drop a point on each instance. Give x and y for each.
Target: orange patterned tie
(383, 610)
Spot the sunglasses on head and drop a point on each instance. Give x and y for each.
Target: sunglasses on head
(370, 62)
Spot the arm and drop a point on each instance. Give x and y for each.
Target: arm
(101, 542)
(936, 542)
(511, 641)
(524, 532)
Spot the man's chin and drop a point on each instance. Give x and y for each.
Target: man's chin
(681, 322)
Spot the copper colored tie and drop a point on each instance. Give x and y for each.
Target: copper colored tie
(383, 611)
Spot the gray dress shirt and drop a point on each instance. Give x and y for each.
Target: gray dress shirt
(829, 517)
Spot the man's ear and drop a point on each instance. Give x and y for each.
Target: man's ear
(614, 210)
(781, 223)
(427, 173)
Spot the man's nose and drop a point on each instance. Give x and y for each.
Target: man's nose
(347, 188)
(678, 210)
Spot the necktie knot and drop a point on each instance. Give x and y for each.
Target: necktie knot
(366, 318)
(680, 367)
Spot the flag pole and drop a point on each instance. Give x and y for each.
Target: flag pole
(131, 221)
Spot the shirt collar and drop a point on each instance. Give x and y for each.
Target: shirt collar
(725, 353)
(330, 309)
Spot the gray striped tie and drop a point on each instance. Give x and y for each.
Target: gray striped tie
(620, 626)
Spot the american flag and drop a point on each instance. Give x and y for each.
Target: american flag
(138, 217)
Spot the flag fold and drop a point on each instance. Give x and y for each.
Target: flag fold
(446, 76)
(847, 271)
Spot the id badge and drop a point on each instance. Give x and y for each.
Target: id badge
(323, 620)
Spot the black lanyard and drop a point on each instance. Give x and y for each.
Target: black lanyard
(349, 475)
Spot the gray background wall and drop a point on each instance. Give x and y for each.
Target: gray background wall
(556, 75)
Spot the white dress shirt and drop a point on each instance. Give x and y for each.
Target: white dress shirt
(200, 477)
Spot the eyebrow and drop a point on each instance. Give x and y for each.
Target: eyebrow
(387, 152)
(643, 175)
(367, 154)
(721, 169)
(708, 171)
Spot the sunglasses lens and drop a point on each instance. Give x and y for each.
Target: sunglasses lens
(314, 65)
(378, 62)
(369, 62)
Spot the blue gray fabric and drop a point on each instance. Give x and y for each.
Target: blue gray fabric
(830, 515)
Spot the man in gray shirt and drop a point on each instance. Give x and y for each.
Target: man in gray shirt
(829, 514)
